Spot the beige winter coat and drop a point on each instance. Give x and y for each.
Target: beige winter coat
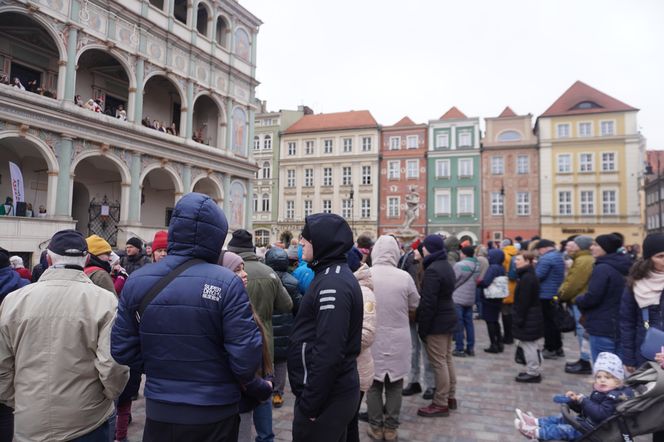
(396, 294)
(56, 368)
(365, 363)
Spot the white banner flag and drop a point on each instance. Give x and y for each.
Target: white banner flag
(17, 184)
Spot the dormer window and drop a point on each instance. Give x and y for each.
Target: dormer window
(587, 105)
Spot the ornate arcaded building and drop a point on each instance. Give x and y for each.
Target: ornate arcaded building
(117, 109)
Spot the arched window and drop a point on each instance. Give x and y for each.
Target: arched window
(266, 202)
(267, 143)
(509, 135)
(266, 170)
(257, 142)
(587, 105)
(202, 19)
(221, 32)
(255, 203)
(180, 11)
(157, 4)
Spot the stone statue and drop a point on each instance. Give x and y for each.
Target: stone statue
(412, 206)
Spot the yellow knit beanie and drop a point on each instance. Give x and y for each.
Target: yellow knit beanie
(98, 245)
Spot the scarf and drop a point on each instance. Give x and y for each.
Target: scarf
(648, 291)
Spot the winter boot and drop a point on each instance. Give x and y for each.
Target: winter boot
(507, 329)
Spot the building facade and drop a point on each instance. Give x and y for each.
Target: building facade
(267, 139)
(453, 176)
(654, 193)
(329, 163)
(510, 178)
(591, 166)
(120, 111)
(403, 178)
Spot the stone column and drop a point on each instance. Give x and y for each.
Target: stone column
(51, 193)
(125, 198)
(227, 193)
(63, 198)
(248, 201)
(190, 105)
(135, 189)
(70, 68)
(229, 124)
(186, 178)
(138, 94)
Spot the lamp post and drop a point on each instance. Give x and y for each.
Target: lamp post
(502, 199)
(352, 209)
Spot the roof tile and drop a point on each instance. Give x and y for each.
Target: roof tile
(579, 92)
(453, 114)
(333, 121)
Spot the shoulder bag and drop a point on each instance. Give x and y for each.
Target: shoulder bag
(654, 339)
(498, 288)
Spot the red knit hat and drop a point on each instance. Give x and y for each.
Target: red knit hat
(160, 240)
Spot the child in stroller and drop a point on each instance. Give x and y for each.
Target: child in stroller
(608, 392)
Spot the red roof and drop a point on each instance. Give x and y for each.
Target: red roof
(405, 121)
(507, 112)
(453, 114)
(651, 159)
(583, 99)
(335, 121)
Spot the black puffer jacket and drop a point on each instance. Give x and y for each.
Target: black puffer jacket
(282, 324)
(133, 263)
(527, 318)
(436, 314)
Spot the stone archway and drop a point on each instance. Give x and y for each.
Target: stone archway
(161, 187)
(106, 78)
(208, 186)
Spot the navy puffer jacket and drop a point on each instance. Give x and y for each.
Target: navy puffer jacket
(551, 273)
(10, 281)
(632, 329)
(600, 305)
(197, 340)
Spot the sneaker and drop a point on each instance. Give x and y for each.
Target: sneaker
(433, 410)
(527, 418)
(452, 404)
(277, 400)
(459, 353)
(470, 352)
(428, 395)
(376, 433)
(390, 434)
(527, 430)
(548, 354)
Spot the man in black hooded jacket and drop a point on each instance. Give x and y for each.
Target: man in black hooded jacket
(327, 335)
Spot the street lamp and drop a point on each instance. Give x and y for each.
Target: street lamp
(352, 209)
(502, 199)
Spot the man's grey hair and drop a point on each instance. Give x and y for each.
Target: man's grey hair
(60, 260)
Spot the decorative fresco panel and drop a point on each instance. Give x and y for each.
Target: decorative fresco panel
(238, 195)
(238, 142)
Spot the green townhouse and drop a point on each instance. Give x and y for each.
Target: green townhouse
(453, 175)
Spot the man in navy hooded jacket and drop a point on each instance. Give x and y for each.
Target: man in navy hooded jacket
(196, 340)
(327, 335)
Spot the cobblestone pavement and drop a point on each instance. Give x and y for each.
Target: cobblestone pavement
(486, 392)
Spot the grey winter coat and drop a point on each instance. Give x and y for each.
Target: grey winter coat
(466, 272)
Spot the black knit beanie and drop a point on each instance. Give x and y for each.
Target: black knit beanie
(653, 244)
(610, 243)
(135, 242)
(242, 241)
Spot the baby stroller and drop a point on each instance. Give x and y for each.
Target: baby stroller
(643, 414)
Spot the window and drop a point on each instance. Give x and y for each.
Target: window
(465, 167)
(585, 162)
(327, 146)
(509, 135)
(609, 202)
(442, 168)
(393, 172)
(257, 142)
(562, 130)
(290, 209)
(522, 164)
(308, 177)
(308, 207)
(327, 206)
(255, 203)
(346, 176)
(465, 138)
(366, 208)
(497, 166)
(395, 143)
(308, 147)
(291, 148)
(393, 207)
(366, 174)
(347, 208)
(442, 140)
(564, 202)
(585, 129)
(412, 141)
(327, 176)
(442, 202)
(465, 202)
(608, 161)
(348, 144)
(587, 202)
(366, 144)
(266, 202)
(523, 203)
(265, 172)
(267, 142)
(290, 178)
(564, 163)
(496, 203)
(262, 237)
(606, 128)
(412, 169)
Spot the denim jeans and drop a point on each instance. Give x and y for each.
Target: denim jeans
(598, 344)
(556, 428)
(100, 434)
(263, 422)
(584, 345)
(465, 315)
(419, 350)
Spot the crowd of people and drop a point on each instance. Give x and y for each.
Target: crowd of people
(31, 86)
(216, 329)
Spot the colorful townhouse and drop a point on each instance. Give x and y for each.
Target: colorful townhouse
(510, 178)
(654, 203)
(453, 176)
(403, 182)
(591, 166)
(267, 132)
(329, 163)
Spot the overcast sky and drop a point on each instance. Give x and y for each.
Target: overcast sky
(420, 57)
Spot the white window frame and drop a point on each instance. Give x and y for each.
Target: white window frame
(612, 162)
(366, 144)
(522, 164)
(265, 202)
(586, 202)
(327, 206)
(523, 203)
(461, 162)
(465, 138)
(443, 136)
(395, 143)
(497, 204)
(289, 209)
(412, 141)
(290, 178)
(560, 133)
(444, 211)
(328, 145)
(608, 204)
(497, 165)
(266, 170)
(585, 165)
(465, 193)
(292, 148)
(309, 147)
(255, 201)
(443, 164)
(393, 206)
(346, 175)
(257, 143)
(308, 177)
(567, 169)
(394, 173)
(267, 142)
(412, 169)
(567, 205)
(348, 145)
(308, 208)
(582, 132)
(604, 132)
(366, 175)
(327, 176)
(347, 208)
(365, 208)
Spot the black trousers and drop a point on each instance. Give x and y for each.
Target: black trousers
(553, 340)
(6, 423)
(332, 423)
(353, 430)
(225, 430)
